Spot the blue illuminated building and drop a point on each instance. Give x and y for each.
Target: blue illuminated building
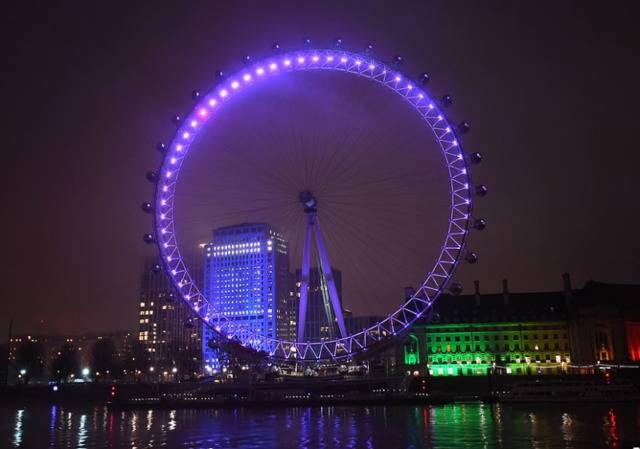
(246, 278)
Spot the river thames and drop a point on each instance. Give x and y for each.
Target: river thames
(449, 426)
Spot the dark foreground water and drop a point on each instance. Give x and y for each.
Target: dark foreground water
(449, 426)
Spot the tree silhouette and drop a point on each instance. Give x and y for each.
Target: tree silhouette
(66, 363)
(30, 359)
(104, 363)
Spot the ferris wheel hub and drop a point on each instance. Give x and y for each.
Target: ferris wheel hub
(309, 201)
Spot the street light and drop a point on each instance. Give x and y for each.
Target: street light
(151, 368)
(174, 370)
(23, 372)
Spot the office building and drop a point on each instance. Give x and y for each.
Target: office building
(168, 329)
(246, 278)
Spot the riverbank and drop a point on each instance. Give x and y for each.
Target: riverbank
(279, 392)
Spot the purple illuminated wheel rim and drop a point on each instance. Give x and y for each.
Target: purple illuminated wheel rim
(437, 279)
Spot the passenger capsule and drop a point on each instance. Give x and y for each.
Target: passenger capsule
(152, 176)
(475, 158)
(456, 288)
(479, 224)
(481, 190)
(471, 257)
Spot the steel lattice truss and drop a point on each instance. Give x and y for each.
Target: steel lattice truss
(316, 59)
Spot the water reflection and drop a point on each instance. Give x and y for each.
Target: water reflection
(461, 426)
(567, 429)
(172, 420)
(82, 431)
(134, 422)
(611, 426)
(17, 432)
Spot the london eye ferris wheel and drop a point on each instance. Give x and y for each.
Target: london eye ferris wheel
(327, 210)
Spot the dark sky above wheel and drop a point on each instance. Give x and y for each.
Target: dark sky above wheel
(88, 89)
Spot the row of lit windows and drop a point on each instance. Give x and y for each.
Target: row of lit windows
(506, 347)
(264, 262)
(238, 252)
(223, 276)
(524, 327)
(509, 359)
(497, 337)
(482, 371)
(235, 246)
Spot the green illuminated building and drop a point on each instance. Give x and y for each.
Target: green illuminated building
(473, 335)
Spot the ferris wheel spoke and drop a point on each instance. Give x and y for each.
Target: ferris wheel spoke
(364, 229)
(337, 244)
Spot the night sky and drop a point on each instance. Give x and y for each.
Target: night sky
(550, 88)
